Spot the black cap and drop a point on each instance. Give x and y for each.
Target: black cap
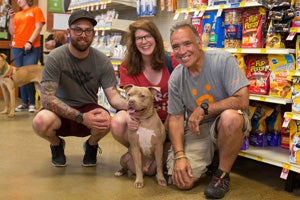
(81, 14)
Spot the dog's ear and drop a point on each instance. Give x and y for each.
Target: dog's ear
(155, 91)
(127, 87)
(3, 56)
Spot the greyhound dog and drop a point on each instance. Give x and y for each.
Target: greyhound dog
(12, 77)
(146, 143)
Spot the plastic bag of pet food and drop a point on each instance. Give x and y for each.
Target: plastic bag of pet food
(258, 74)
(294, 142)
(212, 30)
(273, 124)
(296, 95)
(257, 135)
(253, 26)
(280, 80)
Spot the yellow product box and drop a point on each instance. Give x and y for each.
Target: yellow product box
(280, 81)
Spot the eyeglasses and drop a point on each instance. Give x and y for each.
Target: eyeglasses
(139, 39)
(79, 31)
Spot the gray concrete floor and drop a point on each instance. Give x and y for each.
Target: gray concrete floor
(26, 172)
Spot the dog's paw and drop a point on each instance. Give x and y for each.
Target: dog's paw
(162, 182)
(120, 172)
(138, 184)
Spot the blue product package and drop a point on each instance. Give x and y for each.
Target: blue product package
(213, 30)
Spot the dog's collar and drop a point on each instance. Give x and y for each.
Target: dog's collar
(8, 73)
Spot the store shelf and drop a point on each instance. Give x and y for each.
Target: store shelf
(111, 3)
(217, 7)
(256, 50)
(269, 99)
(116, 24)
(272, 155)
(291, 115)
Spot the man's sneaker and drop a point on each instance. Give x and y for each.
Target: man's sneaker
(218, 185)
(58, 154)
(31, 109)
(21, 108)
(90, 156)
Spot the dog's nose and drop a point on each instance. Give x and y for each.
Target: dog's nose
(131, 101)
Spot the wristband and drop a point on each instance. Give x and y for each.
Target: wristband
(178, 157)
(178, 152)
(29, 42)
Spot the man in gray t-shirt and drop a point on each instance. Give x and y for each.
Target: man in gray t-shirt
(72, 76)
(209, 92)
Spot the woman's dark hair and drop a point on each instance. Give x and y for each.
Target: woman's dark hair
(133, 58)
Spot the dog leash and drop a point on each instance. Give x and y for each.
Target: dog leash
(21, 53)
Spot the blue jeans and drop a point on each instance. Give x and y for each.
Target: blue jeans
(23, 58)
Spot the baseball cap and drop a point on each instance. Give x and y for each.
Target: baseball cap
(81, 14)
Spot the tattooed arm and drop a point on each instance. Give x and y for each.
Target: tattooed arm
(115, 99)
(51, 102)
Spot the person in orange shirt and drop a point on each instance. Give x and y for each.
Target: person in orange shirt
(25, 27)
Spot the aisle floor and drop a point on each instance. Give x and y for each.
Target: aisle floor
(26, 172)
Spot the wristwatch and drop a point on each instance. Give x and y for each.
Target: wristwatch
(79, 118)
(204, 106)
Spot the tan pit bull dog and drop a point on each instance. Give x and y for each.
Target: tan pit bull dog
(12, 77)
(146, 143)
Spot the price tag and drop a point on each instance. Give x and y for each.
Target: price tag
(259, 158)
(220, 10)
(239, 50)
(186, 15)
(263, 50)
(262, 98)
(284, 173)
(196, 13)
(286, 121)
(290, 36)
(201, 13)
(243, 4)
(176, 16)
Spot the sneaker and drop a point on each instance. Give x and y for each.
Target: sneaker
(218, 185)
(90, 156)
(58, 154)
(31, 109)
(21, 108)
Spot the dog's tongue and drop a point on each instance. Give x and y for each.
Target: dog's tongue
(131, 111)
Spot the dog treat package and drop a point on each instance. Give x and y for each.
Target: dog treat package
(273, 39)
(294, 141)
(253, 26)
(298, 52)
(258, 74)
(280, 81)
(241, 61)
(233, 28)
(258, 135)
(296, 95)
(212, 30)
(197, 23)
(273, 124)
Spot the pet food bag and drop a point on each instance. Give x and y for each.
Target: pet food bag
(212, 30)
(280, 81)
(296, 95)
(253, 26)
(258, 74)
(294, 141)
(233, 28)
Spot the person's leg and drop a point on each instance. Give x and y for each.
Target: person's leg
(30, 59)
(119, 128)
(199, 150)
(18, 56)
(228, 131)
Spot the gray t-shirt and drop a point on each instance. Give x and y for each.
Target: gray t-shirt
(219, 78)
(78, 79)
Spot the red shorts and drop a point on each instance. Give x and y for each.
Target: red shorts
(71, 128)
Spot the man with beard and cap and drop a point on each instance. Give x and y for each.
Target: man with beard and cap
(72, 76)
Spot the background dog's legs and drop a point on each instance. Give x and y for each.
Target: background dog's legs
(6, 98)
